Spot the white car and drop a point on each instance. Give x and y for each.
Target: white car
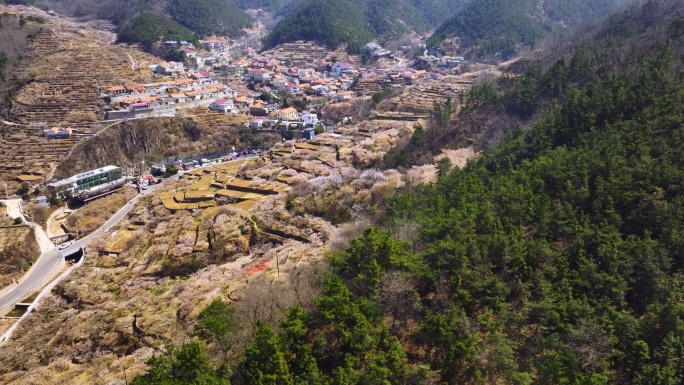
(64, 245)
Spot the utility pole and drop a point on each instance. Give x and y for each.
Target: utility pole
(6, 194)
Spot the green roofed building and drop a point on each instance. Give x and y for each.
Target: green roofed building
(90, 184)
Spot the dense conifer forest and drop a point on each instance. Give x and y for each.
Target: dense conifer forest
(355, 22)
(501, 28)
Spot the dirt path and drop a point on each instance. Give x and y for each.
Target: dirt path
(13, 208)
(54, 227)
(42, 238)
(132, 61)
(14, 211)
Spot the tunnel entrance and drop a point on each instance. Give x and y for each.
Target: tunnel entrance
(76, 256)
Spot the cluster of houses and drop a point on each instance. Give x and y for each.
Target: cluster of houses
(325, 78)
(197, 86)
(287, 74)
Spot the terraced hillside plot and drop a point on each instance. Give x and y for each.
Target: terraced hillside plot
(93, 215)
(117, 242)
(417, 101)
(204, 117)
(209, 186)
(28, 157)
(297, 53)
(69, 65)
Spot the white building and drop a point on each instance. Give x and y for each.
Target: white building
(309, 119)
(223, 106)
(339, 69)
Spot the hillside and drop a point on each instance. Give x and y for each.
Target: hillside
(501, 28)
(274, 6)
(149, 29)
(555, 258)
(209, 17)
(356, 22)
(148, 22)
(324, 21)
(157, 138)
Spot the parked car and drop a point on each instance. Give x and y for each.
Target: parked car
(64, 245)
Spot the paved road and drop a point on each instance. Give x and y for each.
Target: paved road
(51, 262)
(48, 264)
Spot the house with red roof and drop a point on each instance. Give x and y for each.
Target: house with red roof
(223, 106)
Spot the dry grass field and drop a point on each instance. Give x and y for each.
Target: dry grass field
(17, 247)
(92, 215)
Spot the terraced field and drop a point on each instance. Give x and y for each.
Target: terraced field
(416, 101)
(69, 66)
(25, 154)
(219, 185)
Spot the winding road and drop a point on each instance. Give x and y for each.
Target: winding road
(51, 261)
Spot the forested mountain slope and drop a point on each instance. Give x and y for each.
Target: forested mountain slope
(148, 22)
(358, 21)
(500, 28)
(556, 258)
(325, 21)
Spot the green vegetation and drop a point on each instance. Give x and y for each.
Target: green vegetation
(499, 28)
(171, 171)
(356, 22)
(495, 27)
(209, 17)
(187, 366)
(217, 324)
(145, 22)
(274, 6)
(552, 259)
(395, 18)
(149, 28)
(325, 21)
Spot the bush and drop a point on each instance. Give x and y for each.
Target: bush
(18, 221)
(171, 170)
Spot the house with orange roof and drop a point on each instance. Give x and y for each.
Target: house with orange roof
(116, 90)
(128, 101)
(135, 88)
(179, 98)
(185, 82)
(243, 100)
(193, 95)
(257, 109)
